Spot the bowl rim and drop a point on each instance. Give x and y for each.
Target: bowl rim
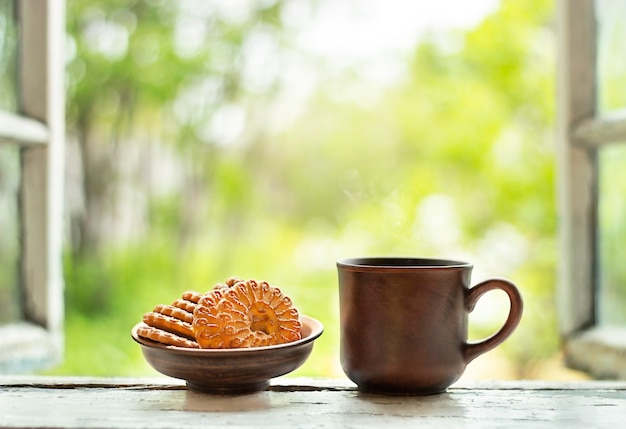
(316, 330)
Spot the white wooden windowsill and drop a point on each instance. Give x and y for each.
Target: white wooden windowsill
(305, 403)
(599, 350)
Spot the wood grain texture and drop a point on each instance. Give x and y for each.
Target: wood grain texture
(305, 403)
(42, 117)
(577, 174)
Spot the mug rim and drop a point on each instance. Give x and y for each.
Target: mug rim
(400, 262)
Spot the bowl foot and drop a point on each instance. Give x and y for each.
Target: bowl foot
(234, 389)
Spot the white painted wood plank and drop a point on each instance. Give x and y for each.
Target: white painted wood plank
(600, 351)
(22, 129)
(593, 133)
(41, 64)
(310, 405)
(577, 175)
(56, 167)
(293, 383)
(34, 238)
(581, 133)
(25, 346)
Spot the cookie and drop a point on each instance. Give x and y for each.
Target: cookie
(164, 337)
(246, 314)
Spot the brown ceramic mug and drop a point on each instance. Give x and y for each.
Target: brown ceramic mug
(404, 322)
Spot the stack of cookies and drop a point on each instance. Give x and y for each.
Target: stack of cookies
(234, 314)
(172, 324)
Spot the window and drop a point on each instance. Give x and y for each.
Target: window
(592, 151)
(31, 176)
(592, 158)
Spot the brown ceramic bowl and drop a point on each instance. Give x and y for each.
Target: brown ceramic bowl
(230, 371)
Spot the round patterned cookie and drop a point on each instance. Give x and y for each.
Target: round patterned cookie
(245, 314)
(230, 282)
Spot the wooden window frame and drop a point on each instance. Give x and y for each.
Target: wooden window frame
(589, 345)
(38, 130)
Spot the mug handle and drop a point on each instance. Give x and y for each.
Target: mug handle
(473, 350)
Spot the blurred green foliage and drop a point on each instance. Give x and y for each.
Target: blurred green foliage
(612, 230)
(455, 160)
